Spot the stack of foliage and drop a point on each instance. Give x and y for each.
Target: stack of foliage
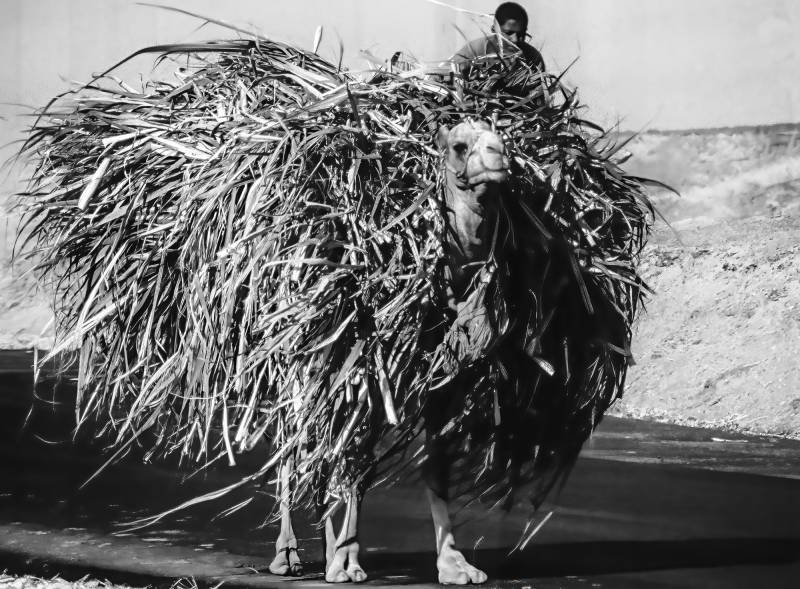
(251, 252)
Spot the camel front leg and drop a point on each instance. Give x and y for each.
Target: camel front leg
(286, 561)
(451, 563)
(341, 553)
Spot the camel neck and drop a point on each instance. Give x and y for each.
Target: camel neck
(467, 235)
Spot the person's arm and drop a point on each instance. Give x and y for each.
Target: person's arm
(468, 52)
(464, 57)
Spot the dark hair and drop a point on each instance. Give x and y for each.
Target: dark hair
(511, 10)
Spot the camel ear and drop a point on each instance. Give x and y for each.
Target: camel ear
(441, 137)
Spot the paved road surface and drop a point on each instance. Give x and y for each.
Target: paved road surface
(647, 506)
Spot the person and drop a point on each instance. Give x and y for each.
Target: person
(507, 40)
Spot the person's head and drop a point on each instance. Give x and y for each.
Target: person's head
(511, 21)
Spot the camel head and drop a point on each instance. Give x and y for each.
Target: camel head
(475, 162)
(475, 166)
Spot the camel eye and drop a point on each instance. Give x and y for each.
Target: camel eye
(460, 148)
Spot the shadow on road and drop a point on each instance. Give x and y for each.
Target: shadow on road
(603, 558)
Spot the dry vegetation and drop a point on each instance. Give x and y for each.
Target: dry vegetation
(715, 346)
(253, 249)
(30, 582)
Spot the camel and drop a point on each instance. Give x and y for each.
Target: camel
(524, 318)
(475, 166)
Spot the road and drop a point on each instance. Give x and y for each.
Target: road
(648, 505)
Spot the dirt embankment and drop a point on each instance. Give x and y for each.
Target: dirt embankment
(719, 343)
(24, 312)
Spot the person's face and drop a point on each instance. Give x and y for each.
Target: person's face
(513, 30)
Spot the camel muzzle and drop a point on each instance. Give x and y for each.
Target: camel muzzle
(487, 162)
(488, 177)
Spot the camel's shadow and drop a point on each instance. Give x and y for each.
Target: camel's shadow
(598, 558)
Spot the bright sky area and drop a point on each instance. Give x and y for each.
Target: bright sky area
(662, 64)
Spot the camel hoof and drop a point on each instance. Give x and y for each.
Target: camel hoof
(280, 570)
(453, 578)
(356, 574)
(286, 563)
(336, 575)
(477, 576)
(455, 570)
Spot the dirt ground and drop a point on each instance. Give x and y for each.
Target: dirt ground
(719, 342)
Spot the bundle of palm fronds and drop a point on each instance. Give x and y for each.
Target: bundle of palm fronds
(252, 252)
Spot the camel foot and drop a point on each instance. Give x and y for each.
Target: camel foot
(344, 568)
(356, 573)
(455, 570)
(336, 574)
(352, 574)
(286, 563)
